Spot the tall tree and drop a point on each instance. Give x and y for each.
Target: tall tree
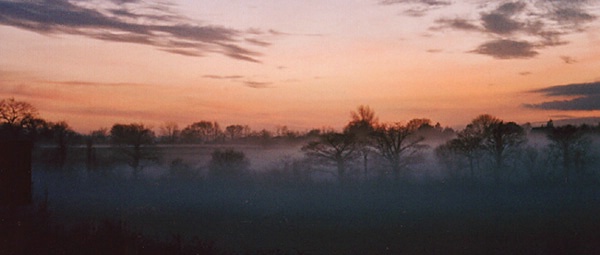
(419, 124)
(134, 140)
(499, 141)
(96, 136)
(362, 126)
(63, 134)
(364, 114)
(398, 144)
(201, 132)
(333, 147)
(468, 144)
(446, 155)
(169, 132)
(571, 146)
(483, 122)
(17, 118)
(234, 131)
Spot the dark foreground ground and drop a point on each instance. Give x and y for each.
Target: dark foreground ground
(113, 216)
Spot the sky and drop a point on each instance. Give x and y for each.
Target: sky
(304, 64)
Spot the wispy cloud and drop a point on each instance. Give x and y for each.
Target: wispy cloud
(247, 81)
(221, 77)
(130, 21)
(257, 85)
(455, 23)
(507, 49)
(434, 50)
(258, 42)
(518, 29)
(586, 97)
(422, 2)
(417, 8)
(568, 59)
(93, 84)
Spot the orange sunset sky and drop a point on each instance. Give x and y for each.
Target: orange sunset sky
(303, 64)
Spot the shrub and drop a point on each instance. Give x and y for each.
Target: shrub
(227, 164)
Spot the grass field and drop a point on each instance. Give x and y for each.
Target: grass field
(259, 214)
(327, 218)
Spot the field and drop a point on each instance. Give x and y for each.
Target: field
(254, 215)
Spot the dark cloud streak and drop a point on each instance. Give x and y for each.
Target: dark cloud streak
(578, 89)
(257, 85)
(507, 49)
(165, 31)
(586, 97)
(456, 23)
(588, 103)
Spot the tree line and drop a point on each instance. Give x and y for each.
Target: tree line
(488, 149)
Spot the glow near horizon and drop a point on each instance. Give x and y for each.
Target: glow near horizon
(323, 59)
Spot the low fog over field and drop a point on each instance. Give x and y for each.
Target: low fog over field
(414, 187)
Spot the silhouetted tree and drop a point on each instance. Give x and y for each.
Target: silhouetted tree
(226, 164)
(169, 132)
(536, 166)
(486, 135)
(362, 126)
(482, 123)
(94, 137)
(201, 132)
(501, 139)
(333, 147)
(263, 137)
(133, 140)
(234, 131)
(281, 130)
(247, 131)
(467, 144)
(100, 136)
(286, 133)
(63, 134)
(17, 119)
(313, 133)
(571, 146)
(419, 124)
(398, 144)
(447, 155)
